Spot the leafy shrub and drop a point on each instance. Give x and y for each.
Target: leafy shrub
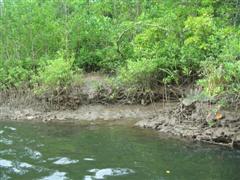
(91, 42)
(57, 73)
(231, 48)
(138, 73)
(166, 54)
(222, 78)
(14, 73)
(145, 74)
(223, 74)
(197, 46)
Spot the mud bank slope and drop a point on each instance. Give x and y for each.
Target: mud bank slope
(193, 122)
(84, 113)
(198, 122)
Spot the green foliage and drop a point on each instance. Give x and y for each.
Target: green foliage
(192, 46)
(147, 43)
(198, 32)
(138, 73)
(222, 78)
(231, 48)
(91, 41)
(56, 74)
(14, 73)
(145, 73)
(223, 74)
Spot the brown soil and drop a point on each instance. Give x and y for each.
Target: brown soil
(200, 122)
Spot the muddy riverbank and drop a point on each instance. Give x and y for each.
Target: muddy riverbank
(193, 119)
(83, 113)
(196, 123)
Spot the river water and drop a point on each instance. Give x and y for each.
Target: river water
(86, 152)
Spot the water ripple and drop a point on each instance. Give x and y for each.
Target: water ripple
(56, 176)
(6, 141)
(89, 159)
(5, 163)
(102, 173)
(10, 128)
(65, 161)
(8, 152)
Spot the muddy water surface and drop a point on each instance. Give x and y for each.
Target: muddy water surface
(72, 151)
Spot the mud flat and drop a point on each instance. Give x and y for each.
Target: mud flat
(84, 113)
(198, 122)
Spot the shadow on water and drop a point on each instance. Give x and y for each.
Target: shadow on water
(106, 151)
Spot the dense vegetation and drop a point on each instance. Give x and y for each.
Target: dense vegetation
(145, 43)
